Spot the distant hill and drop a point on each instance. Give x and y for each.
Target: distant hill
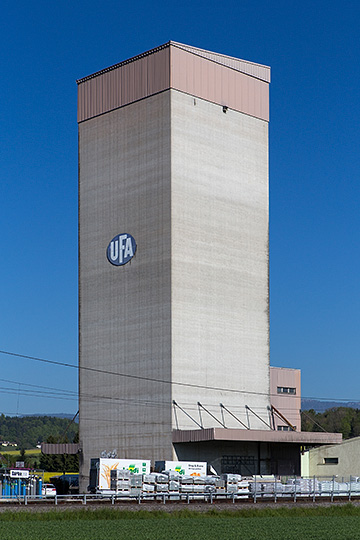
(28, 431)
(322, 406)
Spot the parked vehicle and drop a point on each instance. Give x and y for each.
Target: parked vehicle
(48, 490)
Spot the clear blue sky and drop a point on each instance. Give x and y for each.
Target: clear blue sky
(313, 50)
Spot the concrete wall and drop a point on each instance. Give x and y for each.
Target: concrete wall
(220, 324)
(347, 454)
(125, 311)
(288, 404)
(188, 317)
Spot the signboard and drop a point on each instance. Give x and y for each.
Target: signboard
(189, 468)
(121, 249)
(19, 474)
(137, 466)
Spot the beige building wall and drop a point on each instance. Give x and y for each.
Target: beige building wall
(125, 311)
(220, 324)
(341, 460)
(285, 396)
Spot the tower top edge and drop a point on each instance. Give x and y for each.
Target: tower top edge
(259, 71)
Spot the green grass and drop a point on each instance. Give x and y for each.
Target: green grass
(199, 528)
(320, 523)
(142, 514)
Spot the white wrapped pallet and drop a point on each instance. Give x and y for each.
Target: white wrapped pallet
(199, 480)
(172, 475)
(211, 480)
(162, 479)
(187, 479)
(162, 488)
(136, 480)
(231, 478)
(149, 478)
(187, 488)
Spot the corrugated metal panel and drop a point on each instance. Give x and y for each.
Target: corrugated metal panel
(240, 85)
(70, 448)
(255, 70)
(130, 81)
(215, 82)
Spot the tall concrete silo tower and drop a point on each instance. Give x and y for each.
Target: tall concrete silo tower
(173, 153)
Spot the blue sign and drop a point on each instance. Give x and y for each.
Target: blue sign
(121, 249)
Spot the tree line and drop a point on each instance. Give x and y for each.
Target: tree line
(28, 431)
(343, 420)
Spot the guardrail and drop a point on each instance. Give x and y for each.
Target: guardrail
(187, 498)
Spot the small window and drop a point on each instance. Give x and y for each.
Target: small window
(331, 460)
(285, 428)
(286, 390)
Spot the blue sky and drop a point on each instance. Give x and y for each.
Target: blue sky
(313, 50)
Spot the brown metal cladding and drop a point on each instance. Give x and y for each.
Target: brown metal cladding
(255, 70)
(240, 85)
(261, 435)
(64, 448)
(218, 83)
(125, 84)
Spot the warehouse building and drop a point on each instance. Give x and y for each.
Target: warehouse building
(339, 460)
(174, 261)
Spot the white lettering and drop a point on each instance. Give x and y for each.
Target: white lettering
(128, 248)
(114, 250)
(122, 237)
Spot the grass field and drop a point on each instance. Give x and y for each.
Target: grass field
(332, 523)
(31, 452)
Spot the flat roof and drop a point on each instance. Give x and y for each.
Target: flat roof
(305, 438)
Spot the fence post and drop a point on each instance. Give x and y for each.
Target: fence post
(314, 490)
(275, 491)
(56, 499)
(332, 489)
(350, 489)
(255, 490)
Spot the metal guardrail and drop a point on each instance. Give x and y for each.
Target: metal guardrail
(258, 489)
(186, 498)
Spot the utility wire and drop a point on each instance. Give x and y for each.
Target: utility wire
(163, 381)
(136, 377)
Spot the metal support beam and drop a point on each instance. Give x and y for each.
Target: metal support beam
(187, 414)
(259, 417)
(233, 415)
(214, 417)
(282, 417)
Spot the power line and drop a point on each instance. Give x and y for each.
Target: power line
(163, 381)
(136, 377)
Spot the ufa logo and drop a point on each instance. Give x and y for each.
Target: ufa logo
(121, 249)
